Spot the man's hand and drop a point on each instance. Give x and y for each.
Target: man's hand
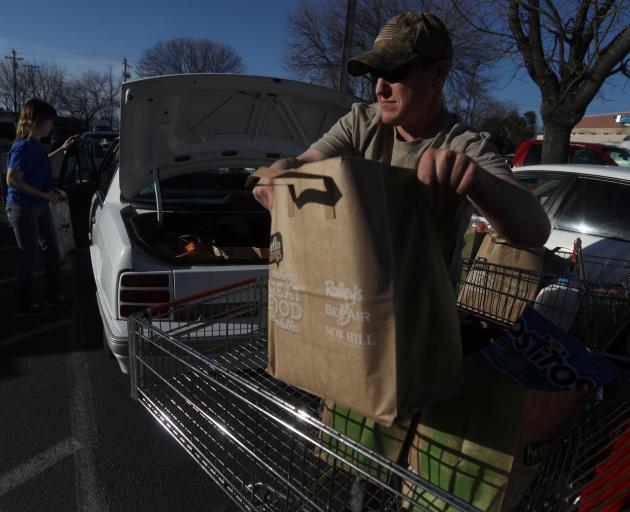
(263, 191)
(446, 175)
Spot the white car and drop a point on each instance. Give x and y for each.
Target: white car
(171, 215)
(587, 202)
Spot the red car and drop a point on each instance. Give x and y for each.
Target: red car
(530, 152)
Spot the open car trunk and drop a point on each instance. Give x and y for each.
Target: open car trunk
(201, 238)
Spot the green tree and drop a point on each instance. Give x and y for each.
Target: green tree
(508, 129)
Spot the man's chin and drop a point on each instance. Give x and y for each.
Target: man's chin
(388, 119)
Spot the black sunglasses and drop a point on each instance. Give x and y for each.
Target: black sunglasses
(397, 74)
(390, 75)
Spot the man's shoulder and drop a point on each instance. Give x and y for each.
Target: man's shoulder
(460, 135)
(366, 112)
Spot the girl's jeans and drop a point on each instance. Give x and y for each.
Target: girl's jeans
(34, 227)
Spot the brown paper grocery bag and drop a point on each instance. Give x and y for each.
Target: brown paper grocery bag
(504, 278)
(486, 445)
(361, 308)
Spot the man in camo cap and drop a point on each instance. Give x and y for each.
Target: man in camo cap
(410, 127)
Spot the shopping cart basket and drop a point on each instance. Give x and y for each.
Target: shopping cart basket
(590, 469)
(592, 302)
(199, 367)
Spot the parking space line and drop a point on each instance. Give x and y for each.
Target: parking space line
(83, 422)
(38, 464)
(31, 333)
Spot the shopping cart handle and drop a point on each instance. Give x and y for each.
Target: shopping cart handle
(160, 308)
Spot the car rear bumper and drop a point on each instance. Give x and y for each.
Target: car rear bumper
(117, 343)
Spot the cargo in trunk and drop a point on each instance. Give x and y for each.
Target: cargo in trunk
(201, 238)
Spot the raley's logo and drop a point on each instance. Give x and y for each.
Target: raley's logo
(275, 249)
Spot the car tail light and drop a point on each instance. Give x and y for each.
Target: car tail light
(138, 291)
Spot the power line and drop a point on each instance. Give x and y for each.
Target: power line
(65, 54)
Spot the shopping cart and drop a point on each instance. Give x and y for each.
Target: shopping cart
(589, 298)
(199, 367)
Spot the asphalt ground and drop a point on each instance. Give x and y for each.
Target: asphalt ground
(70, 437)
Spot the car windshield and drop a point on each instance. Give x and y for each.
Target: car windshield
(218, 186)
(620, 156)
(596, 207)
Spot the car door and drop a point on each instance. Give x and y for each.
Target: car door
(77, 178)
(104, 178)
(593, 209)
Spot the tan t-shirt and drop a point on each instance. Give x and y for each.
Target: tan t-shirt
(360, 133)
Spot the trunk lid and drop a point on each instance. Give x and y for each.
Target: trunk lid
(182, 123)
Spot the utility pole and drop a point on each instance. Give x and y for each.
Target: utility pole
(347, 44)
(126, 67)
(15, 60)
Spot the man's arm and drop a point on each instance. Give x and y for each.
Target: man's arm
(263, 191)
(512, 210)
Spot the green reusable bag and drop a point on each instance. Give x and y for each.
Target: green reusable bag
(487, 444)
(385, 441)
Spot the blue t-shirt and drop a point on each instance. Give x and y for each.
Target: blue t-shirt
(30, 157)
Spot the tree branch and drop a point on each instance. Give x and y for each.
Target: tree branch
(614, 53)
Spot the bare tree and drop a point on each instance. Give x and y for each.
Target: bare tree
(315, 40)
(568, 47)
(6, 86)
(34, 80)
(88, 96)
(188, 55)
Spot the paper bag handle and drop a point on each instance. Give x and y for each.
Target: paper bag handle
(331, 193)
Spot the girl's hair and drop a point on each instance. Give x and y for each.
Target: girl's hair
(33, 113)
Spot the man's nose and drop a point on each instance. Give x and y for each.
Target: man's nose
(382, 88)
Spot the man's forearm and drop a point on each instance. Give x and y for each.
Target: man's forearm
(512, 210)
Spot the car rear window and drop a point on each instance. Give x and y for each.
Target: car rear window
(585, 156)
(543, 186)
(210, 187)
(596, 207)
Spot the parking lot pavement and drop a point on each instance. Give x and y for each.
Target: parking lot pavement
(70, 437)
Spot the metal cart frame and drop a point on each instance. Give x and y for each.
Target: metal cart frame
(198, 365)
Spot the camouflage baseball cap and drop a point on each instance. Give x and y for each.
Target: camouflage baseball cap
(406, 38)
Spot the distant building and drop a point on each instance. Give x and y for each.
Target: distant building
(601, 128)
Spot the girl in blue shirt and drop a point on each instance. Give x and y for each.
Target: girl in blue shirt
(29, 180)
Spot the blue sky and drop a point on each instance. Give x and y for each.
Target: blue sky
(80, 35)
